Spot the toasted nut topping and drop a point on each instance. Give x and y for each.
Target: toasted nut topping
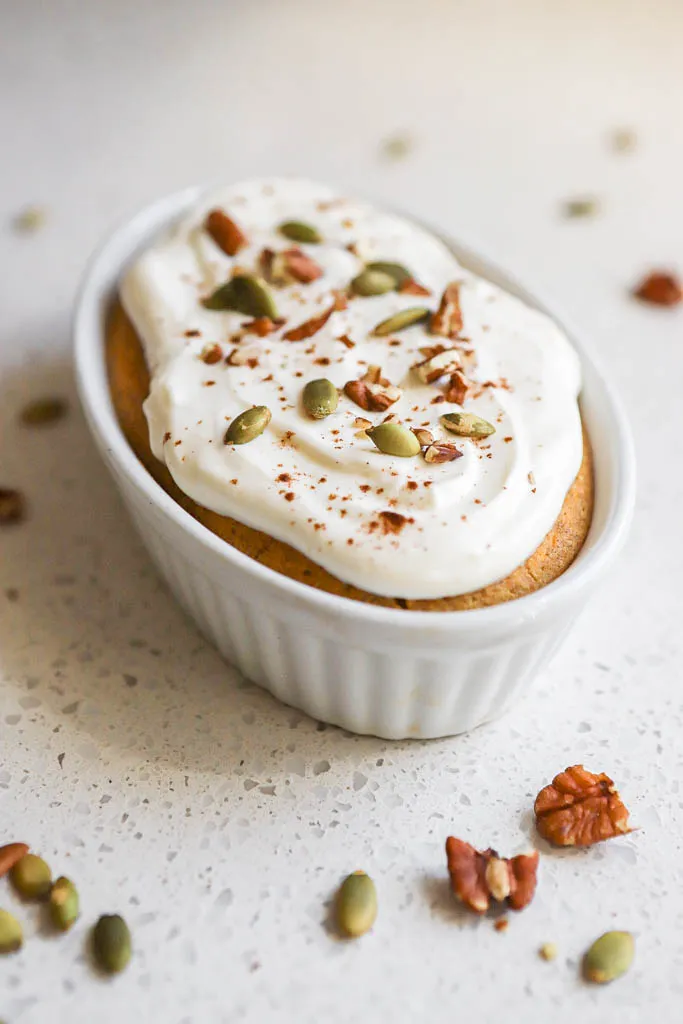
(299, 231)
(447, 321)
(411, 287)
(112, 943)
(425, 437)
(372, 392)
(399, 321)
(243, 293)
(293, 265)
(442, 361)
(372, 282)
(320, 398)
(579, 808)
(225, 233)
(442, 451)
(212, 354)
(362, 424)
(356, 907)
(10, 854)
(609, 957)
(474, 881)
(660, 289)
(458, 387)
(393, 439)
(466, 424)
(310, 327)
(248, 425)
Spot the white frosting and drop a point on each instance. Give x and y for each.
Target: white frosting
(314, 483)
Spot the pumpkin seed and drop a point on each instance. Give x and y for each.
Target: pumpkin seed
(609, 957)
(299, 231)
(320, 398)
(248, 425)
(356, 904)
(393, 439)
(395, 270)
(64, 904)
(42, 411)
(112, 944)
(31, 877)
(466, 424)
(372, 282)
(244, 293)
(399, 321)
(10, 854)
(11, 935)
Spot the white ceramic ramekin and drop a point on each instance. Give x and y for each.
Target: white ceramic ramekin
(385, 671)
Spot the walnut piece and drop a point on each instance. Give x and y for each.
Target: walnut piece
(372, 392)
(225, 233)
(660, 289)
(579, 808)
(447, 321)
(477, 877)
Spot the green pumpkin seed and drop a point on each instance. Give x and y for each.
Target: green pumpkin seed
(43, 411)
(393, 439)
(320, 398)
(64, 904)
(31, 877)
(248, 425)
(356, 904)
(11, 935)
(372, 282)
(399, 321)
(112, 944)
(395, 270)
(466, 424)
(609, 957)
(244, 293)
(299, 231)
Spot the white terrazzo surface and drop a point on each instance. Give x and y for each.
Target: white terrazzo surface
(216, 820)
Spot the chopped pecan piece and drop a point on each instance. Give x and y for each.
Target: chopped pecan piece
(425, 437)
(458, 387)
(440, 361)
(243, 357)
(212, 354)
(447, 321)
(479, 876)
(412, 287)
(261, 326)
(225, 233)
(442, 451)
(372, 392)
(288, 266)
(12, 507)
(310, 327)
(660, 289)
(579, 808)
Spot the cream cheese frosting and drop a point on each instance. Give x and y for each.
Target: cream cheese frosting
(394, 526)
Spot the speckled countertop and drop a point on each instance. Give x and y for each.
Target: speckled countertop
(218, 821)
